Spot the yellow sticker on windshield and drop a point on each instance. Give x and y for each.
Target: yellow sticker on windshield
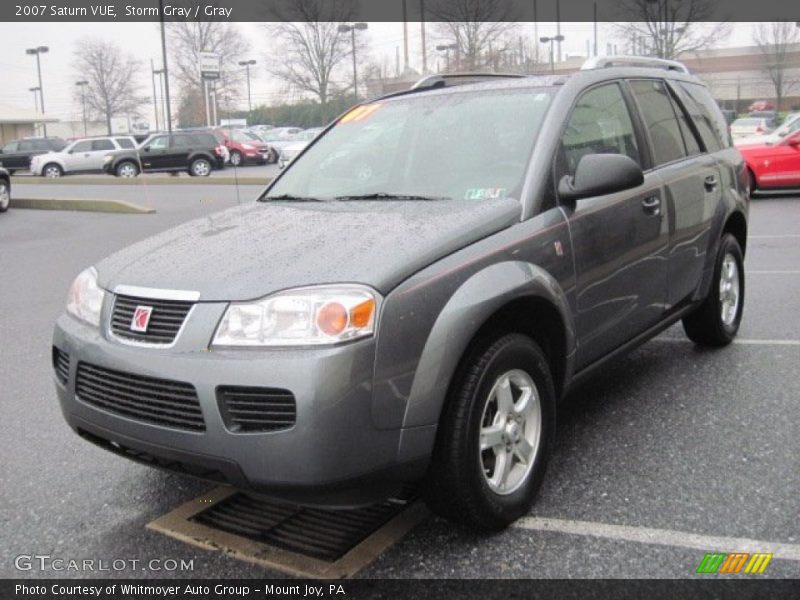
(360, 113)
(484, 193)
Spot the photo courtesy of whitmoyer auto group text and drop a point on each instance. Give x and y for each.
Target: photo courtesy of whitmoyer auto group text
(399, 299)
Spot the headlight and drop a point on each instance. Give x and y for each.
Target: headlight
(248, 147)
(85, 298)
(306, 316)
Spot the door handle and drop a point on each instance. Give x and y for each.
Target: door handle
(652, 205)
(710, 183)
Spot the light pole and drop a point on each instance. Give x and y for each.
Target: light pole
(446, 49)
(168, 117)
(35, 91)
(37, 51)
(155, 98)
(246, 64)
(549, 40)
(82, 84)
(351, 28)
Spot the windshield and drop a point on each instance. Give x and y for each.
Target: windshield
(467, 144)
(241, 136)
(791, 124)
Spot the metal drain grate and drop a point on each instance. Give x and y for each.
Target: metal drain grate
(324, 534)
(309, 542)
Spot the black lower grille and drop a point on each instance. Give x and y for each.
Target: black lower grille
(323, 534)
(166, 319)
(159, 401)
(61, 365)
(250, 409)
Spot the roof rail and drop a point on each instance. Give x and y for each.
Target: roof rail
(604, 62)
(451, 79)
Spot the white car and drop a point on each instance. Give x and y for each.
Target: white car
(751, 127)
(790, 125)
(81, 156)
(300, 141)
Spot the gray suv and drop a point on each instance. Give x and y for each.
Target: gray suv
(411, 297)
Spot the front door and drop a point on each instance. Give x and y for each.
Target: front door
(155, 153)
(620, 239)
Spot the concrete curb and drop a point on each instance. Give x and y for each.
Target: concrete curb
(81, 204)
(141, 181)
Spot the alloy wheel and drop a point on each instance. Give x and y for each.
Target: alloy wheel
(729, 289)
(511, 432)
(5, 197)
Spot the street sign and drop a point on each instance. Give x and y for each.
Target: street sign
(209, 65)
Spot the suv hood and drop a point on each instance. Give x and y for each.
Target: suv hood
(259, 248)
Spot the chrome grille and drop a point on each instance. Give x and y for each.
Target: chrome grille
(247, 409)
(158, 401)
(166, 319)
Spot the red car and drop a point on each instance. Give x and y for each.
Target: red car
(759, 105)
(774, 166)
(245, 147)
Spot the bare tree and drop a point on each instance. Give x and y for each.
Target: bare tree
(669, 28)
(309, 47)
(775, 41)
(473, 26)
(112, 88)
(187, 39)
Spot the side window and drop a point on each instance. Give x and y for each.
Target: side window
(180, 141)
(660, 120)
(124, 142)
(84, 146)
(706, 115)
(10, 148)
(41, 145)
(158, 143)
(26, 146)
(689, 137)
(600, 124)
(98, 145)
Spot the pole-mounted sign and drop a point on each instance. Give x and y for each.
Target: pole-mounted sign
(209, 65)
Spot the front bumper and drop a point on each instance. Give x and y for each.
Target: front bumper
(333, 455)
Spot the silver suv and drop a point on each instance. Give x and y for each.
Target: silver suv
(416, 291)
(81, 156)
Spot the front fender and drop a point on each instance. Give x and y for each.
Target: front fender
(481, 296)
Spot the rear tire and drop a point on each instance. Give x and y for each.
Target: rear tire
(716, 321)
(500, 409)
(200, 167)
(127, 169)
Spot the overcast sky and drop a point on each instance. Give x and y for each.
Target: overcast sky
(143, 40)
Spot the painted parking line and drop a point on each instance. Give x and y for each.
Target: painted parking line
(661, 537)
(775, 236)
(751, 342)
(772, 272)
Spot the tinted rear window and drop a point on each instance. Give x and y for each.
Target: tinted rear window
(659, 117)
(206, 140)
(707, 117)
(125, 143)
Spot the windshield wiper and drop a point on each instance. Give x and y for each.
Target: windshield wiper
(292, 198)
(386, 196)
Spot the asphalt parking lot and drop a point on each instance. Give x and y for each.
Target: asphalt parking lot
(672, 453)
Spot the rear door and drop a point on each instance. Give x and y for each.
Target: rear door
(692, 185)
(181, 146)
(619, 240)
(8, 157)
(100, 148)
(77, 156)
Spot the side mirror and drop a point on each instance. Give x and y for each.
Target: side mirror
(793, 141)
(146, 149)
(600, 174)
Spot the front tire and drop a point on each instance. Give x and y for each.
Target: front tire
(495, 435)
(236, 158)
(716, 321)
(5, 196)
(52, 170)
(200, 167)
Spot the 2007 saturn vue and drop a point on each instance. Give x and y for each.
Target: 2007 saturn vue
(410, 299)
